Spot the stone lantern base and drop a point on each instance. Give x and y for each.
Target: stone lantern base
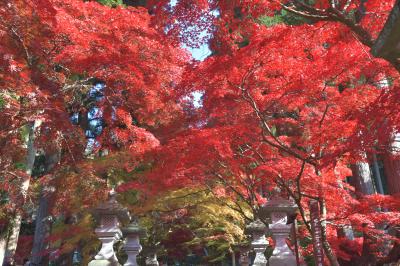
(279, 209)
(259, 243)
(109, 215)
(289, 260)
(103, 263)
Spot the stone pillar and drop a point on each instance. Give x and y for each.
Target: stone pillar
(110, 215)
(132, 245)
(278, 210)
(259, 243)
(108, 233)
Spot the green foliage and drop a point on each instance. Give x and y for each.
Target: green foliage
(66, 237)
(270, 21)
(130, 197)
(282, 17)
(24, 133)
(273, 131)
(4, 197)
(215, 226)
(111, 3)
(244, 42)
(110, 167)
(2, 102)
(20, 165)
(309, 260)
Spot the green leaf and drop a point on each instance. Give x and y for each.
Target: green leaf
(24, 133)
(273, 131)
(111, 3)
(20, 165)
(2, 102)
(270, 21)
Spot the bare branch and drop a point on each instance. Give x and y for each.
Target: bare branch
(324, 115)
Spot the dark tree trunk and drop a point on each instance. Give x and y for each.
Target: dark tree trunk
(39, 254)
(362, 178)
(41, 231)
(392, 166)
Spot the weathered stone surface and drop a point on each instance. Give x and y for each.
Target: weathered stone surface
(259, 243)
(278, 210)
(102, 263)
(132, 246)
(109, 214)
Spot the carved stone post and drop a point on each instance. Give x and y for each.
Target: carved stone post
(279, 209)
(109, 215)
(132, 246)
(259, 243)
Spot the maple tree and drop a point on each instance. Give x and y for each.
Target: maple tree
(290, 106)
(51, 51)
(187, 221)
(291, 97)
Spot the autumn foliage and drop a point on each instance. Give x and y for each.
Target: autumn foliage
(291, 97)
(290, 107)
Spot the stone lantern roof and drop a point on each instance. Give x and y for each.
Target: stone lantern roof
(278, 205)
(112, 207)
(134, 228)
(256, 226)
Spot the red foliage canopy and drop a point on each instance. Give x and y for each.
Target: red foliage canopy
(49, 48)
(288, 106)
(292, 108)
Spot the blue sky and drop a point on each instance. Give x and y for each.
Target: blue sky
(200, 53)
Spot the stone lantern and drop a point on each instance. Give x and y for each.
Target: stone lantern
(259, 243)
(132, 232)
(109, 215)
(278, 210)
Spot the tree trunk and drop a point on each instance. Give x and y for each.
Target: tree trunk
(392, 166)
(328, 251)
(12, 240)
(327, 247)
(362, 178)
(41, 231)
(42, 224)
(393, 179)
